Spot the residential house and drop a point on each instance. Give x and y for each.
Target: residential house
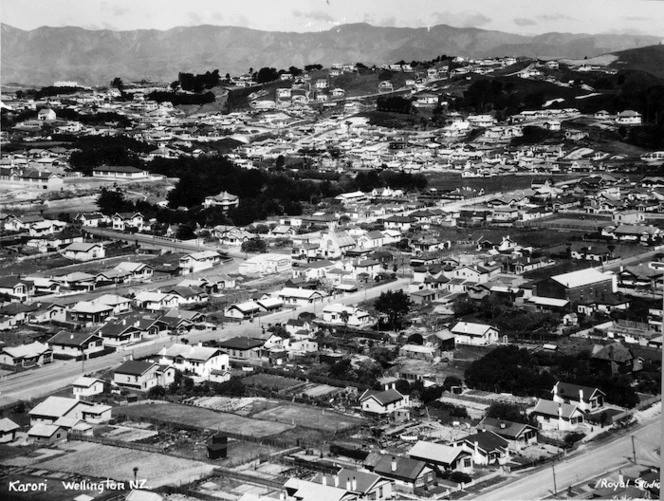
(614, 358)
(475, 334)
(586, 398)
(119, 172)
(363, 484)
(383, 402)
(86, 386)
(243, 349)
(442, 457)
(128, 221)
(138, 272)
(84, 251)
(518, 435)
(552, 415)
(266, 264)
(26, 355)
(155, 301)
(409, 475)
(297, 489)
(8, 429)
(197, 261)
(67, 344)
(119, 331)
(142, 376)
(54, 408)
(486, 448)
(350, 316)
(89, 312)
(244, 310)
(17, 287)
(196, 359)
(301, 297)
(224, 200)
(119, 304)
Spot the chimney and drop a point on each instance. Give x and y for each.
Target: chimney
(476, 446)
(354, 484)
(324, 479)
(580, 395)
(282, 496)
(394, 463)
(348, 487)
(560, 411)
(200, 344)
(502, 426)
(336, 480)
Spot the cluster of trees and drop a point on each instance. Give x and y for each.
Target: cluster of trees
(515, 370)
(103, 117)
(179, 98)
(394, 104)
(92, 151)
(511, 321)
(47, 91)
(197, 83)
(367, 181)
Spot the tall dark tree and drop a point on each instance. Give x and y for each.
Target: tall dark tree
(395, 305)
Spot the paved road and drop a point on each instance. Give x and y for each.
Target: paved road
(32, 384)
(579, 467)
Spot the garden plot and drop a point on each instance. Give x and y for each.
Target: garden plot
(198, 417)
(103, 461)
(311, 417)
(319, 390)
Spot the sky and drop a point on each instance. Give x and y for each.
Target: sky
(525, 17)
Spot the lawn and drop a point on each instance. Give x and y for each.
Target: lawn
(310, 417)
(201, 418)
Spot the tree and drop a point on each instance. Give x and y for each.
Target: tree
(254, 245)
(266, 74)
(506, 411)
(395, 305)
(118, 83)
(156, 392)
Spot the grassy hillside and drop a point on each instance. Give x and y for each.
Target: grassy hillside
(649, 59)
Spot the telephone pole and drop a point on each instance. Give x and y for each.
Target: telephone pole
(633, 450)
(555, 489)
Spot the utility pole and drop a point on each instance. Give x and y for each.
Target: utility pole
(633, 450)
(555, 489)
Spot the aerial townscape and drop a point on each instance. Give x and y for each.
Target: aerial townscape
(438, 275)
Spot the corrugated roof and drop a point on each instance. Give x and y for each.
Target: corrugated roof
(435, 453)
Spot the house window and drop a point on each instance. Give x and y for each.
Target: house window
(466, 463)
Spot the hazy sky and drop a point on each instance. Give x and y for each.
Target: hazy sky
(514, 16)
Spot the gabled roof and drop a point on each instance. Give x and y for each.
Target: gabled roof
(66, 338)
(134, 368)
(406, 468)
(614, 352)
(487, 441)
(7, 425)
(471, 329)
(384, 398)
(241, 343)
(54, 407)
(432, 452)
(550, 408)
(571, 391)
(508, 429)
(195, 352)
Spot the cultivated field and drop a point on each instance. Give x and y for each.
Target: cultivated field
(201, 418)
(271, 382)
(103, 461)
(310, 417)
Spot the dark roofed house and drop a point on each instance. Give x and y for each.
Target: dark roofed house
(409, 475)
(442, 457)
(518, 435)
(142, 376)
(586, 398)
(67, 344)
(242, 348)
(383, 402)
(614, 358)
(485, 447)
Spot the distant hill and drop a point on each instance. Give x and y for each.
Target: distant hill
(649, 59)
(94, 57)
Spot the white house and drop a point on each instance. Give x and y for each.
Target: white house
(628, 117)
(383, 402)
(197, 359)
(340, 314)
(197, 261)
(552, 415)
(86, 386)
(474, 334)
(300, 297)
(84, 252)
(266, 264)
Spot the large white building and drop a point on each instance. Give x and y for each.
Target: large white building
(199, 360)
(266, 264)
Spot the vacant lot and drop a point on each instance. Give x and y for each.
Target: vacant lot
(311, 417)
(103, 461)
(201, 418)
(271, 382)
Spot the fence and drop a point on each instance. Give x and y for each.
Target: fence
(273, 483)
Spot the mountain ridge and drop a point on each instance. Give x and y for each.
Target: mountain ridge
(94, 57)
